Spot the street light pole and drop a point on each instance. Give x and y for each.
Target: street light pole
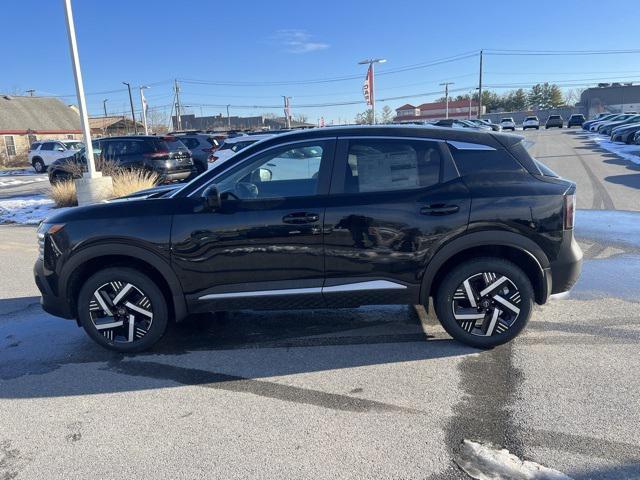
(228, 118)
(92, 187)
(446, 98)
(371, 62)
(77, 73)
(133, 115)
(143, 101)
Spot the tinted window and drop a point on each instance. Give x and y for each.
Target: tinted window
(236, 147)
(47, 146)
(484, 161)
(190, 143)
(554, 117)
(166, 144)
(286, 172)
(385, 165)
(531, 118)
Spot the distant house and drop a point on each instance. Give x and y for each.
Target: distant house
(113, 125)
(460, 109)
(23, 120)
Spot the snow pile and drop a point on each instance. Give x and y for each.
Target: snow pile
(18, 181)
(628, 152)
(17, 172)
(29, 210)
(487, 462)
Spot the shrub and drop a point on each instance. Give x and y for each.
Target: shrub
(126, 182)
(63, 194)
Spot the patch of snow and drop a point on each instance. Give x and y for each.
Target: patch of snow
(487, 462)
(28, 210)
(17, 181)
(17, 172)
(609, 226)
(628, 152)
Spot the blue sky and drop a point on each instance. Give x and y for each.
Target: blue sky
(257, 42)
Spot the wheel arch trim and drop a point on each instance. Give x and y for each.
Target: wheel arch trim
(95, 251)
(497, 238)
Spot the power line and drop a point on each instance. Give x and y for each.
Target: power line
(560, 52)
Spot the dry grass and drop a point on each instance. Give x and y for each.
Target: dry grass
(64, 194)
(125, 182)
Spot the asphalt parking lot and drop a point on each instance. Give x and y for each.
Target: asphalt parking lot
(366, 393)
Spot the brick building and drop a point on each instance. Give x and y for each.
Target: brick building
(460, 109)
(23, 120)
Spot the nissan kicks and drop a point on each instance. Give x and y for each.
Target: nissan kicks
(324, 218)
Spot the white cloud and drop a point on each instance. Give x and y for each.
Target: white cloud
(298, 41)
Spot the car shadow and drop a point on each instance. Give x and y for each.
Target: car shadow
(43, 356)
(631, 180)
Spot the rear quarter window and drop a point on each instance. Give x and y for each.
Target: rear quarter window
(472, 162)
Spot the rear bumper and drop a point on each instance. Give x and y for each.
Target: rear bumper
(565, 270)
(172, 175)
(51, 303)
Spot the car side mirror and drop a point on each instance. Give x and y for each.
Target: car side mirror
(212, 198)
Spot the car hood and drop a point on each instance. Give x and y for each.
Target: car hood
(154, 192)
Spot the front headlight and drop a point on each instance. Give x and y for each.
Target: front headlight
(44, 230)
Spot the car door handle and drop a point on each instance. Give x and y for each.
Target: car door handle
(298, 218)
(439, 209)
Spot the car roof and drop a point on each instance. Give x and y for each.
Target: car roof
(249, 138)
(485, 137)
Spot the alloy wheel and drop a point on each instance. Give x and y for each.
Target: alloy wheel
(121, 312)
(486, 304)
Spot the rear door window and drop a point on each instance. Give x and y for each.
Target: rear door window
(48, 146)
(388, 165)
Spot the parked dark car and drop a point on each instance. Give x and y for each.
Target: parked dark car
(554, 121)
(608, 127)
(201, 146)
(625, 133)
(587, 125)
(324, 218)
(575, 120)
(166, 156)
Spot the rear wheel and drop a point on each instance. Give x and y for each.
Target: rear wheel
(38, 165)
(485, 302)
(122, 310)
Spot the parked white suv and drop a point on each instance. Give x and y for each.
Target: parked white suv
(508, 124)
(531, 122)
(233, 145)
(45, 152)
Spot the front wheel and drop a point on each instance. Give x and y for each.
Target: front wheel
(485, 302)
(122, 310)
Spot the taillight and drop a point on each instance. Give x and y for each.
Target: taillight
(212, 158)
(569, 211)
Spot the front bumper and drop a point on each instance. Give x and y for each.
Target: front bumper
(51, 303)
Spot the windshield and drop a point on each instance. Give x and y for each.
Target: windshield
(531, 118)
(74, 145)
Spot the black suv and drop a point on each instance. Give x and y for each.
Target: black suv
(576, 119)
(166, 156)
(330, 217)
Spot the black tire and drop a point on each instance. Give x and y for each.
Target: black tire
(507, 324)
(38, 165)
(144, 296)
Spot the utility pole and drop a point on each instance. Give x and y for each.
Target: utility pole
(31, 92)
(446, 98)
(372, 98)
(228, 118)
(143, 101)
(480, 88)
(92, 187)
(178, 109)
(133, 115)
(104, 107)
(287, 111)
